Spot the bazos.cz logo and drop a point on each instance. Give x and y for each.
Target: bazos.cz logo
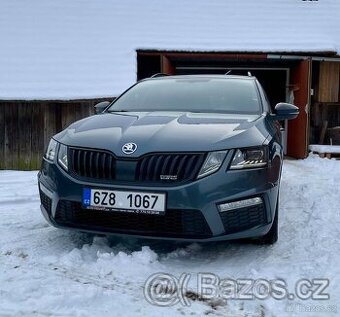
(163, 289)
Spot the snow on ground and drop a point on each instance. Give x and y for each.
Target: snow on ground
(50, 272)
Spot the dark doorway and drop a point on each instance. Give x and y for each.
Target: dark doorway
(273, 80)
(148, 65)
(277, 76)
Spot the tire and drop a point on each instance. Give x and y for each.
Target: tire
(273, 234)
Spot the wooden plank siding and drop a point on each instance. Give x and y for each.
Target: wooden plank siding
(329, 82)
(27, 126)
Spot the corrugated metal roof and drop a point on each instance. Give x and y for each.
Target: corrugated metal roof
(83, 49)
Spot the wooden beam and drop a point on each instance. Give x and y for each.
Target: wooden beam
(208, 55)
(329, 82)
(166, 65)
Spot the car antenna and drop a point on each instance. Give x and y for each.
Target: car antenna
(228, 72)
(249, 74)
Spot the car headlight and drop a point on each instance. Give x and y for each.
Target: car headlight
(250, 158)
(212, 163)
(62, 156)
(51, 150)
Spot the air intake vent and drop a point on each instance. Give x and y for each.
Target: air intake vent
(175, 223)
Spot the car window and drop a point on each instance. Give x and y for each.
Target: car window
(194, 95)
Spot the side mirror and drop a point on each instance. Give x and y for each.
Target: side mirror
(285, 111)
(101, 106)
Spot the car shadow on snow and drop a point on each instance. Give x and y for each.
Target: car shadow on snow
(164, 248)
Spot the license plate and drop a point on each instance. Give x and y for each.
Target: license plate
(125, 201)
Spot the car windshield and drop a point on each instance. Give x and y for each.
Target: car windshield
(191, 94)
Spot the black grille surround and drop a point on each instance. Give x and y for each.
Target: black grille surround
(244, 218)
(154, 168)
(183, 166)
(175, 223)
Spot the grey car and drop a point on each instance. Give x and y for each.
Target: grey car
(195, 158)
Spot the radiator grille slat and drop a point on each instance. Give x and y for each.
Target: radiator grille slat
(91, 164)
(165, 165)
(85, 163)
(110, 166)
(181, 166)
(159, 164)
(150, 169)
(97, 165)
(188, 166)
(78, 163)
(173, 166)
(103, 165)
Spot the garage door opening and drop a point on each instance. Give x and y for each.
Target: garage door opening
(275, 82)
(284, 80)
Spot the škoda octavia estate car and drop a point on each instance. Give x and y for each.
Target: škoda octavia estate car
(194, 158)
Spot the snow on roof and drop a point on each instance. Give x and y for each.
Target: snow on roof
(85, 49)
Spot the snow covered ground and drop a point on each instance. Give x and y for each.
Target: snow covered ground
(49, 272)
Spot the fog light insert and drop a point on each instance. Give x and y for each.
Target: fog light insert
(240, 204)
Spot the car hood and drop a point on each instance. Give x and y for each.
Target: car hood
(165, 132)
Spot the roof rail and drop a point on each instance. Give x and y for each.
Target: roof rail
(159, 75)
(230, 70)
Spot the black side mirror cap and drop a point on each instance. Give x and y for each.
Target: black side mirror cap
(101, 106)
(285, 111)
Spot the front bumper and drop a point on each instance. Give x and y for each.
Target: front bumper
(192, 209)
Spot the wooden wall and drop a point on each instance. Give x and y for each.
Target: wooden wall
(329, 82)
(325, 111)
(27, 126)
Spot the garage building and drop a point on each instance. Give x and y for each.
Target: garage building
(58, 59)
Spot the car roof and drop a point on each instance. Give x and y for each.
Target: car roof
(216, 76)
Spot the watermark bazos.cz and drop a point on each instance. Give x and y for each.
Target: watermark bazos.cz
(163, 289)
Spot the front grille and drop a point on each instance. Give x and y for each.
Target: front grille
(243, 218)
(175, 223)
(92, 164)
(169, 167)
(164, 167)
(45, 201)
